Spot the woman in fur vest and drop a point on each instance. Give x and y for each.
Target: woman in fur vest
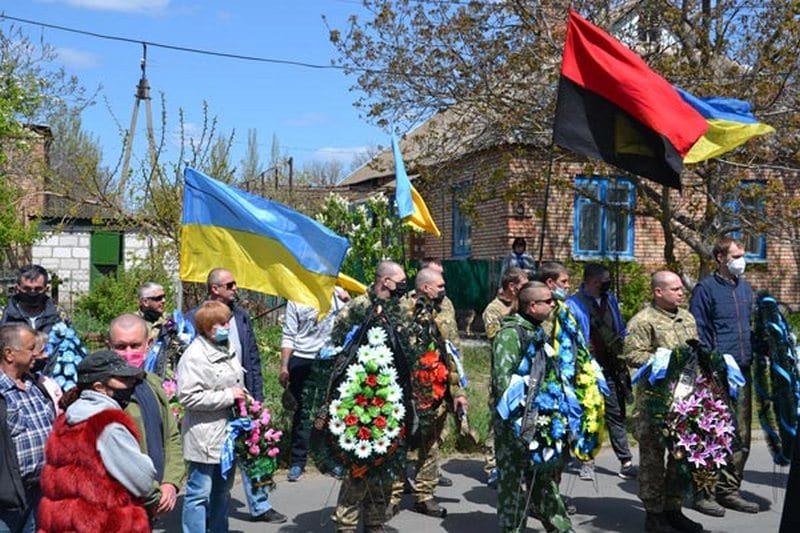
(95, 477)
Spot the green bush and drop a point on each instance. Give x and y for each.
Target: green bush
(116, 294)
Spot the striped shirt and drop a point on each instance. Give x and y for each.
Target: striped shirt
(30, 420)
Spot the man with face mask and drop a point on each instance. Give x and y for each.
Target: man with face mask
(721, 304)
(598, 313)
(151, 307)
(30, 303)
(221, 286)
(148, 406)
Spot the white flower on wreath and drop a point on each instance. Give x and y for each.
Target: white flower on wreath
(333, 408)
(346, 442)
(381, 446)
(382, 355)
(391, 433)
(363, 449)
(336, 425)
(392, 373)
(398, 411)
(344, 388)
(352, 370)
(395, 393)
(376, 336)
(365, 354)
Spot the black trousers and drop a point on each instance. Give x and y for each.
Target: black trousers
(615, 418)
(299, 370)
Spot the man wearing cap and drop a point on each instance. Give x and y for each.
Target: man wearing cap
(150, 410)
(93, 458)
(26, 419)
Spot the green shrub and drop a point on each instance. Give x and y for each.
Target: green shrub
(116, 294)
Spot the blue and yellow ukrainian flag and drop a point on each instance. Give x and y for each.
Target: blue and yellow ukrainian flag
(410, 205)
(730, 124)
(268, 247)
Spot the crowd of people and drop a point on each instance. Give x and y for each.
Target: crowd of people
(372, 383)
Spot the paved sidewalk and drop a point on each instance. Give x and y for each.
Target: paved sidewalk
(612, 506)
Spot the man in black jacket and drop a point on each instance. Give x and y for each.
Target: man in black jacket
(221, 286)
(30, 303)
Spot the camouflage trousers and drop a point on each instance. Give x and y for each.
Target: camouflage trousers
(520, 487)
(371, 495)
(426, 463)
(660, 486)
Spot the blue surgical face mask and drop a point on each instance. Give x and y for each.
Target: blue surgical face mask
(559, 293)
(221, 335)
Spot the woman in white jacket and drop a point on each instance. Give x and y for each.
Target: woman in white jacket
(209, 379)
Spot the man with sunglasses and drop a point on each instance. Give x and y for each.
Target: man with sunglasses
(221, 286)
(151, 308)
(30, 304)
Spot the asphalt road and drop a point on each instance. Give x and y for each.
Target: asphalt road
(609, 505)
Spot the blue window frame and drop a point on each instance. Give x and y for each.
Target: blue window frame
(748, 203)
(603, 217)
(462, 225)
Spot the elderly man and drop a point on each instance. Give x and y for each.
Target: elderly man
(722, 304)
(30, 303)
(150, 410)
(663, 324)
(370, 494)
(26, 419)
(430, 292)
(221, 286)
(151, 307)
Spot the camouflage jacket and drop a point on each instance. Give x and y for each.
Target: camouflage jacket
(508, 349)
(493, 315)
(653, 328)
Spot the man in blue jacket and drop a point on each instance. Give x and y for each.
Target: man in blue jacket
(721, 304)
(221, 286)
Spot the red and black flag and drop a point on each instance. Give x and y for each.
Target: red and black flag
(612, 106)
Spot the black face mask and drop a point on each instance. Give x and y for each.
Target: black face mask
(530, 319)
(38, 365)
(439, 298)
(31, 299)
(400, 288)
(151, 315)
(122, 396)
(605, 287)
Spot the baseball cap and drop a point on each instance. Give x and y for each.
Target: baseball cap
(103, 365)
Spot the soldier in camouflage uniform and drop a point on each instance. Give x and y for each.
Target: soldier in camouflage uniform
(430, 293)
(520, 485)
(370, 493)
(151, 308)
(663, 324)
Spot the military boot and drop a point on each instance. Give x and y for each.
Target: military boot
(658, 523)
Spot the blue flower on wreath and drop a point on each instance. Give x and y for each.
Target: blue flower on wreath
(553, 388)
(545, 401)
(557, 428)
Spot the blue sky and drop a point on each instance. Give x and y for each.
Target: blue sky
(309, 110)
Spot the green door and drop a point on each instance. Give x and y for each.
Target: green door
(106, 255)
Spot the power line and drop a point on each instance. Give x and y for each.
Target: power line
(187, 48)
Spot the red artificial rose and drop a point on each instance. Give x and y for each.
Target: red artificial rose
(377, 401)
(351, 420)
(364, 433)
(429, 358)
(362, 400)
(380, 422)
(371, 380)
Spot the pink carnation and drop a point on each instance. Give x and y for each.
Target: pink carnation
(255, 407)
(273, 452)
(254, 449)
(265, 418)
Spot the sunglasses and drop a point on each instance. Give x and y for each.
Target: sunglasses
(159, 298)
(549, 301)
(230, 285)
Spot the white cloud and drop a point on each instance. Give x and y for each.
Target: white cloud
(343, 154)
(77, 59)
(128, 6)
(307, 119)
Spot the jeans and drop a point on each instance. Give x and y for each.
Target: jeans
(207, 501)
(257, 497)
(24, 520)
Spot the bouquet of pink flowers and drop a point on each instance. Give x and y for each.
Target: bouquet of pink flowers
(256, 445)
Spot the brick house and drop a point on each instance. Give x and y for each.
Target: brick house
(578, 229)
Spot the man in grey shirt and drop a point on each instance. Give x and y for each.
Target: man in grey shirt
(303, 338)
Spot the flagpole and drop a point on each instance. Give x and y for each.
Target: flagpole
(548, 174)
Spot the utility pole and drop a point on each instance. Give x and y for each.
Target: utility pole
(142, 94)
